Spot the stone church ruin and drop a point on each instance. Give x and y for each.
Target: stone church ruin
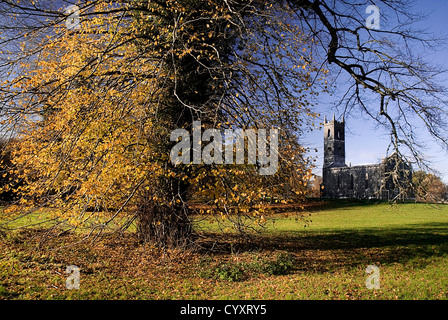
(388, 180)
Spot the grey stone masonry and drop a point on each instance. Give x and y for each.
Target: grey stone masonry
(385, 180)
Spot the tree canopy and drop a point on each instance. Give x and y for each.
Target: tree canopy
(92, 94)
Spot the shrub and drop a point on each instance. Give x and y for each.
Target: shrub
(3, 291)
(229, 271)
(283, 264)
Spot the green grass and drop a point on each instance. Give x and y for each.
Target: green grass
(326, 259)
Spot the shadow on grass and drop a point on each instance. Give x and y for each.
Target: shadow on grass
(317, 204)
(326, 250)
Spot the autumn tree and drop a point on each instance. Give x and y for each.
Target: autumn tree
(315, 186)
(92, 106)
(429, 187)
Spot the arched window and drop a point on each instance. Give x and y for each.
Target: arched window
(366, 186)
(329, 133)
(352, 184)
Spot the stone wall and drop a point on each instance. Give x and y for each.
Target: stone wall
(360, 182)
(387, 180)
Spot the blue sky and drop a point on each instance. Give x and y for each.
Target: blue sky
(364, 143)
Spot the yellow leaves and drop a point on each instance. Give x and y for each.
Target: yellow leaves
(102, 123)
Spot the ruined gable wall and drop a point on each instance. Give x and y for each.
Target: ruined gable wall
(361, 182)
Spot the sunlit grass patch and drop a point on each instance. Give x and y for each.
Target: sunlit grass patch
(327, 259)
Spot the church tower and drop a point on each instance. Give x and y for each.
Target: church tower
(334, 143)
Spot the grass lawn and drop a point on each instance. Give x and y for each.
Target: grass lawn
(327, 259)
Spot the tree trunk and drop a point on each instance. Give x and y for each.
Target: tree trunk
(164, 226)
(166, 223)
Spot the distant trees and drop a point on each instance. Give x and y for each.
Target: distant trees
(315, 187)
(93, 106)
(5, 174)
(429, 187)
